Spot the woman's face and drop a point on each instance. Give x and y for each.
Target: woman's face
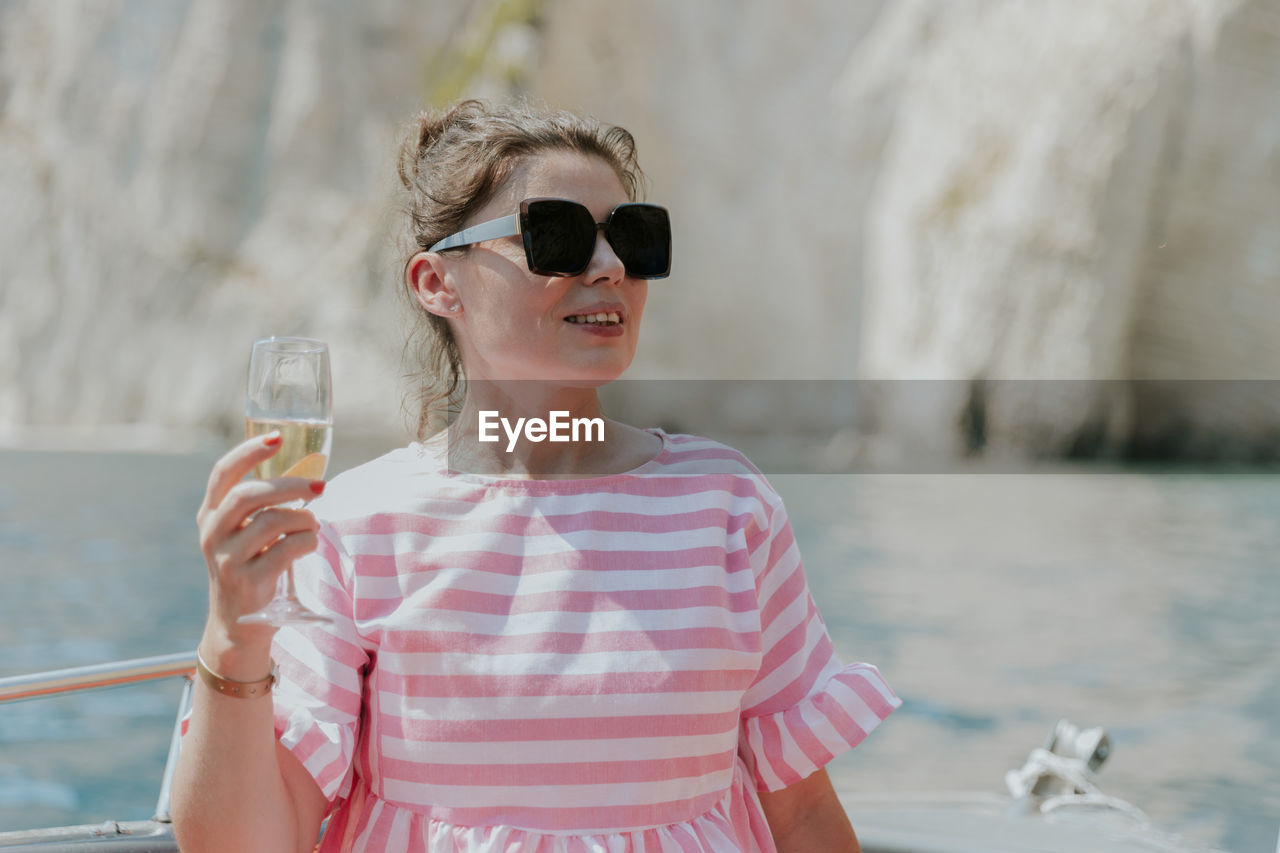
(512, 324)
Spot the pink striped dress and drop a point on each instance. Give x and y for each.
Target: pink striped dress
(562, 666)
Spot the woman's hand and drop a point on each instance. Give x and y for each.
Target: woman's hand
(248, 540)
(235, 787)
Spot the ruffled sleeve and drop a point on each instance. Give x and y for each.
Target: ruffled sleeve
(805, 707)
(318, 698)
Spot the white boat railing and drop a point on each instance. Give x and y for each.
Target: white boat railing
(16, 688)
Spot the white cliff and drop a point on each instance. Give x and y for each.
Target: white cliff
(180, 179)
(1082, 191)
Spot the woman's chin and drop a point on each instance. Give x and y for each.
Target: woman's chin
(584, 379)
(560, 376)
(586, 373)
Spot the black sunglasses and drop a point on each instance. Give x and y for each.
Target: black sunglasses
(560, 236)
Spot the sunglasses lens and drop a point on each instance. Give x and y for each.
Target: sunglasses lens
(641, 237)
(559, 236)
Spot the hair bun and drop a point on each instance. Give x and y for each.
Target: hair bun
(427, 129)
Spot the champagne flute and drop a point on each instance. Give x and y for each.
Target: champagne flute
(290, 390)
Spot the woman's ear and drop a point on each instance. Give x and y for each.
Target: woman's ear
(428, 279)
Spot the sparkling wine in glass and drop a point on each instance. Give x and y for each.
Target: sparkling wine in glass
(290, 390)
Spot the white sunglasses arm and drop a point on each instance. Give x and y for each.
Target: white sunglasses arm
(506, 226)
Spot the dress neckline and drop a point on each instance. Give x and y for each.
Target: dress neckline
(434, 455)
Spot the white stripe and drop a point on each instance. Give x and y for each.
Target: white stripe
(764, 767)
(854, 706)
(538, 545)
(793, 615)
(581, 579)
(562, 751)
(292, 695)
(374, 807)
(311, 658)
(823, 729)
(593, 663)
(511, 629)
(786, 673)
(416, 616)
(622, 794)
(351, 495)
(871, 674)
(339, 745)
(775, 577)
(398, 834)
(792, 756)
(687, 500)
(789, 669)
(595, 706)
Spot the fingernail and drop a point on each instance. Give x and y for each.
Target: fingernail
(272, 439)
(317, 486)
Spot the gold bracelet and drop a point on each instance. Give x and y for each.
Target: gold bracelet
(238, 689)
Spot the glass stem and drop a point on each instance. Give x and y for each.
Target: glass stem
(289, 592)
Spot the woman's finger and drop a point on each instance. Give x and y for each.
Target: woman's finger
(243, 500)
(281, 555)
(235, 464)
(247, 587)
(266, 528)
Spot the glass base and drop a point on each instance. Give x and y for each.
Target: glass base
(284, 611)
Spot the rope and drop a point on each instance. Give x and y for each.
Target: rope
(1073, 771)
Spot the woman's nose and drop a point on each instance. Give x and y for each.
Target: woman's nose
(605, 264)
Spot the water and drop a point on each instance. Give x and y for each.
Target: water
(1144, 602)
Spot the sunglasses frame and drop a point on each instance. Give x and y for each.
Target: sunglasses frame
(518, 224)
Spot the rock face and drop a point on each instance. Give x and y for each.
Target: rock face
(181, 178)
(973, 191)
(1054, 196)
(1084, 192)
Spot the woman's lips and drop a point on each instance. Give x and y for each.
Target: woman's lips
(604, 319)
(610, 331)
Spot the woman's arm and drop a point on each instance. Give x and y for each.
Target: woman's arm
(235, 788)
(808, 816)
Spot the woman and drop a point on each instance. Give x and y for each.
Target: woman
(601, 644)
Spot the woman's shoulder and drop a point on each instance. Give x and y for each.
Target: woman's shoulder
(684, 452)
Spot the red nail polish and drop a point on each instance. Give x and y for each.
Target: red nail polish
(317, 486)
(272, 440)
